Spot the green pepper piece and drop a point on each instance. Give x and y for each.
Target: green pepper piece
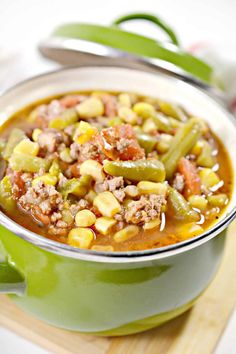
(115, 121)
(147, 142)
(140, 170)
(180, 206)
(181, 144)
(15, 137)
(205, 158)
(55, 170)
(78, 187)
(66, 118)
(6, 200)
(27, 163)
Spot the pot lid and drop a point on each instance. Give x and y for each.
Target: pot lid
(80, 44)
(77, 52)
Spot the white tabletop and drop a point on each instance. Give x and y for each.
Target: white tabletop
(23, 23)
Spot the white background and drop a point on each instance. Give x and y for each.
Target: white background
(23, 23)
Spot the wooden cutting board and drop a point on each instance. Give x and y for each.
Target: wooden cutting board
(197, 331)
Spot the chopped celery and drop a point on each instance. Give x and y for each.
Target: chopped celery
(6, 200)
(28, 163)
(78, 187)
(15, 137)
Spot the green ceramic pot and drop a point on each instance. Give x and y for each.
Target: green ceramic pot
(110, 293)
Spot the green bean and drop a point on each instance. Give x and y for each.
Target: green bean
(173, 110)
(140, 170)
(78, 187)
(182, 143)
(205, 158)
(28, 163)
(162, 123)
(6, 200)
(180, 206)
(15, 137)
(147, 142)
(66, 118)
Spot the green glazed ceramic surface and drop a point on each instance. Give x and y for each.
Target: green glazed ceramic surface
(105, 298)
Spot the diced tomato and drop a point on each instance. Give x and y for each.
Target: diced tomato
(119, 142)
(74, 169)
(192, 179)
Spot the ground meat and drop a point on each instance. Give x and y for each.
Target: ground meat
(122, 144)
(178, 182)
(62, 180)
(145, 209)
(110, 105)
(86, 151)
(44, 198)
(119, 194)
(50, 139)
(56, 216)
(114, 185)
(54, 109)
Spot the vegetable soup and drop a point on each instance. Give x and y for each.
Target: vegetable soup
(112, 171)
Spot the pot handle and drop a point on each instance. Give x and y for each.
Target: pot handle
(11, 281)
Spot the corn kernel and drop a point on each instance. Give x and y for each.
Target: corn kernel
(93, 169)
(197, 149)
(102, 248)
(146, 187)
(198, 201)
(65, 155)
(90, 108)
(104, 225)
(84, 132)
(127, 233)
(90, 196)
(80, 237)
(218, 200)
(164, 144)
(107, 204)
(27, 147)
(127, 115)
(47, 179)
(189, 230)
(149, 126)
(131, 191)
(208, 177)
(162, 147)
(151, 224)
(143, 109)
(125, 100)
(85, 218)
(35, 134)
